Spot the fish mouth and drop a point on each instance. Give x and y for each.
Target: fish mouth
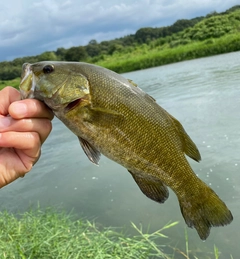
(27, 84)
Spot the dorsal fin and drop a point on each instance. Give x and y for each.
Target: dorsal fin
(189, 147)
(139, 91)
(132, 83)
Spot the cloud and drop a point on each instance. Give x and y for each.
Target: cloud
(32, 27)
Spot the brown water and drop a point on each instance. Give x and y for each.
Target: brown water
(204, 95)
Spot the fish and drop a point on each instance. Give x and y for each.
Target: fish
(112, 116)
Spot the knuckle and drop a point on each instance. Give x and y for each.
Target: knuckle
(48, 125)
(35, 141)
(8, 89)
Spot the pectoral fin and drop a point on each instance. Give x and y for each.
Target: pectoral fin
(189, 147)
(153, 188)
(92, 153)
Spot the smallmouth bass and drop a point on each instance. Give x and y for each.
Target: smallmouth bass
(112, 116)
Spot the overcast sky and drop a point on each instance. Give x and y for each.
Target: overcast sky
(30, 27)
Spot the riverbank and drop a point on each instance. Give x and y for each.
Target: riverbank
(14, 83)
(52, 234)
(151, 57)
(214, 34)
(147, 58)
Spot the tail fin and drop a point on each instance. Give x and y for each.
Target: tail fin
(204, 212)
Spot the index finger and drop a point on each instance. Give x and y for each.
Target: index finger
(8, 95)
(30, 108)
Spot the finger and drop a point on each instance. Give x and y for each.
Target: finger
(29, 142)
(30, 108)
(42, 126)
(23, 148)
(8, 95)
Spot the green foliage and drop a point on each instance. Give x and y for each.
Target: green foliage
(185, 39)
(60, 53)
(114, 47)
(146, 35)
(144, 58)
(93, 49)
(48, 55)
(233, 9)
(76, 54)
(12, 69)
(214, 27)
(9, 71)
(53, 234)
(14, 83)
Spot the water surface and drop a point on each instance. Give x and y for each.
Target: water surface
(203, 95)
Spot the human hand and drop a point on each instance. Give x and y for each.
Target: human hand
(24, 126)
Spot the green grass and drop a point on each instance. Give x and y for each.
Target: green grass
(141, 58)
(38, 234)
(51, 234)
(14, 83)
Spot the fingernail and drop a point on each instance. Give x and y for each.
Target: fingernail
(20, 108)
(5, 122)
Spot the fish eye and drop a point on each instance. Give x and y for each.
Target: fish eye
(48, 69)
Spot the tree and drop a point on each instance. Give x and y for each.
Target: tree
(143, 34)
(93, 50)
(48, 55)
(92, 42)
(114, 47)
(61, 52)
(76, 54)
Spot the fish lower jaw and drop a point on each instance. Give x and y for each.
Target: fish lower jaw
(27, 94)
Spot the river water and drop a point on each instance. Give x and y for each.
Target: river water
(203, 94)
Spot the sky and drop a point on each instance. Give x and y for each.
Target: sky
(31, 27)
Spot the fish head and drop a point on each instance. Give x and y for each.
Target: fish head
(58, 84)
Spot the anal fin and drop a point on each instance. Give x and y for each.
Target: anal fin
(153, 188)
(92, 153)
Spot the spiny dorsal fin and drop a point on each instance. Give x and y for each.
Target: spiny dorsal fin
(189, 147)
(138, 90)
(152, 188)
(132, 83)
(92, 153)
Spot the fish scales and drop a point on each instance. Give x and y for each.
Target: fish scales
(112, 116)
(142, 118)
